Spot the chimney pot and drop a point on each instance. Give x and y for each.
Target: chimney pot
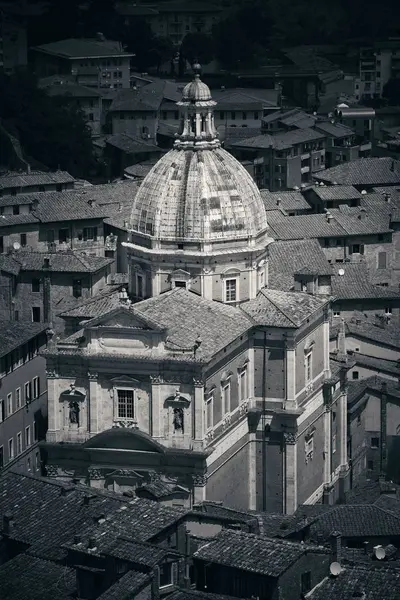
(92, 543)
(8, 519)
(336, 544)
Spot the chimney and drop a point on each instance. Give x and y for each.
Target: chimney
(328, 216)
(91, 202)
(46, 263)
(92, 545)
(362, 214)
(278, 202)
(367, 548)
(392, 166)
(28, 168)
(336, 546)
(155, 584)
(8, 523)
(387, 197)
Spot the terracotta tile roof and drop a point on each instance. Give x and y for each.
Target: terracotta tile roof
(307, 226)
(287, 200)
(336, 192)
(335, 130)
(356, 521)
(71, 89)
(15, 200)
(127, 587)
(377, 583)
(138, 519)
(131, 144)
(7, 220)
(281, 141)
(67, 262)
(276, 308)
(360, 220)
(20, 180)
(66, 206)
(365, 328)
(187, 315)
(27, 577)
(142, 554)
(96, 306)
(144, 98)
(158, 489)
(190, 594)
(355, 284)
(287, 258)
(357, 389)
(363, 171)
(8, 264)
(249, 552)
(83, 48)
(219, 510)
(16, 333)
(366, 490)
(44, 517)
(381, 365)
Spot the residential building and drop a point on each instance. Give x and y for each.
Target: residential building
(88, 100)
(292, 203)
(122, 149)
(284, 160)
(172, 380)
(37, 286)
(13, 184)
(364, 173)
(23, 395)
(322, 197)
(361, 120)
(173, 19)
(342, 144)
(287, 120)
(378, 64)
(96, 63)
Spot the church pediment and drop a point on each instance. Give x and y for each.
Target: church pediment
(132, 440)
(124, 317)
(124, 380)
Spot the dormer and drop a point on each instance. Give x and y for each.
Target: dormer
(312, 282)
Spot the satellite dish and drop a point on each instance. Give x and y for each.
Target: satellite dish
(335, 569)
(16, 245)
(341, 272)
(379, 552)
(363, 192)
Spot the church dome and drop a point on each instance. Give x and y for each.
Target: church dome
(198, 195)
(198, 191)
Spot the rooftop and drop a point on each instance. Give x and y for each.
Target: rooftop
(281, 141)
(381, 365)
(287, 200)
(83, 48)
(140, 553)
(356, 521)
(306, 226)
(14, 179)
(336, 192)
(98, 305)
(377, 583)
(388, 335)
(30, 577)
(249, 552)
(131, 144)
(287, 258)
(336, 130)
(127, 586)
(276, 308)
(351, 281)
(145, 98)
(14, 334)
(363, 171)
(66, 262)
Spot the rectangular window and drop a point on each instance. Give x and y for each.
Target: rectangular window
(256, 116)
(17, 398)
(37, 461)
(50, 235)
(388, 310)
(36, 387)
(355, 375)
(27, 436)
(35, 430)
(77, 288)
(333, 443)
(16, 210)
(336, 313)
(9, 404)
(2, 415)
(35, 285)
(374, 442)
(305, 582)
(19, 443)
(308, 367)
(226, 398)
(90, 233)
(309, 448)
(139, 285)
(11, 449)
(23, 239)
(63, 235)
(1, 457)
(28, 464)
(166, 575)
(1, 244)
(230, 290)
(244, 116)
(209, 412)
(382, 260)
(126, 403)
(36, 314)
(243, 390)
(28, 392)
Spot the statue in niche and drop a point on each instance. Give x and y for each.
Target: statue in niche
(178, 419)
(74, 412)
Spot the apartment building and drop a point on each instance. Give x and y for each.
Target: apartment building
(97, 63)
(378, 64)
(284, 160)
(13, 183)
(23, 394)
(173, 19)
(13, 45)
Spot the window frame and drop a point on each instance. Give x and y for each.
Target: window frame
(227, 281)
(11, 449)
(243, 375)
(308, 366)
(18, 403)
(373, 445)
(35, 285)
(118, 417)
(170, 575)
(19, 443)
(209, 411)
(226, 396)
(77, 288)
(28, 436)
(309, 448)
(28, 397)
(35, 387)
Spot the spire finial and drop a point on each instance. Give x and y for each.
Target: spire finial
(196, 69)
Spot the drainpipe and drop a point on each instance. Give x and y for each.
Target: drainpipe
(264, 439)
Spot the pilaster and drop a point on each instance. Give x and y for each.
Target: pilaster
(93, 404)
(157, 424)
(54, 406)
(198, 413)
(327, 369)
(199, 489)
(290, 440)
(327, 444)
(252, 471)
(290, 374)
(343, 428)
(207, 283)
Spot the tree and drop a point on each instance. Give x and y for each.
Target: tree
(52, 130)
(232, 48)
(162, 51)
(197, 47)
(391, 91)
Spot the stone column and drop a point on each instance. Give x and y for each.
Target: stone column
(54, 408)
(290, 472)
(157, 425)
(290, 374)
(198, 414)
(155, 283)
(327, 444)
(93, 404)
